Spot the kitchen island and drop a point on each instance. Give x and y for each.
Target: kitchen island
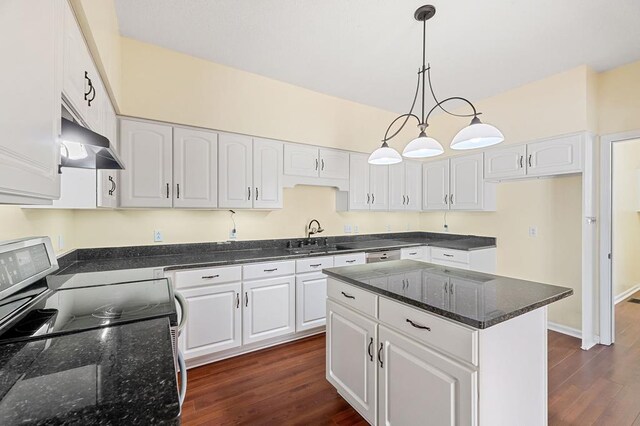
(410, 342)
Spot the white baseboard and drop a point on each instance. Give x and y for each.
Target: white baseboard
(569, 331)
(619, 298)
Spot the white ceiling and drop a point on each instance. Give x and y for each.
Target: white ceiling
(369, 51)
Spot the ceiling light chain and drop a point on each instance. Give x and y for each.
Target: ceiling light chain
(475, 135)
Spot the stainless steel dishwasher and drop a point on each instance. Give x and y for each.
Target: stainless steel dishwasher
(382, 256)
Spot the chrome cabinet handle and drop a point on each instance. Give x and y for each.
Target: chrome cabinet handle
(521, 161)
(380, 355)
(177, 190)
(248, 192)
(210, 277)
(113, 185)
(530, 157)
(270, 270)
(446, 198)
(246, 299)
(422, 327)
(237, 300)
(167, 190)
(369, 349)
(256, 193)
(348, 296)
(350, 261)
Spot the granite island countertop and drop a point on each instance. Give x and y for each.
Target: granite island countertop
(95, 377)
(197, 255)
(472, 298)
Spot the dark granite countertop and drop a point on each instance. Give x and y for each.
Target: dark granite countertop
(95, 377)
(472, 298)
(184, 256)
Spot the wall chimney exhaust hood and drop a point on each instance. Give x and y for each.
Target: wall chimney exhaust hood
(85, 149)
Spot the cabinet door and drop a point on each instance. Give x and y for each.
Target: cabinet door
(413, 285)
(465, 298)
(30, 44)
(351, 358)
(235, 171)
(269, 308)
(146, 150)
(418, 386)
(96, 100)
(334, 164)
(359, 195)
(108, 180)
(435, 185)
(195, 168)
(397, 194)
(267, 174)
(301, 160)
(505, 163)
(413, 185)
(214, 321)
(435, 290)
(75, 64)
(311, 300)
(467, 183)
(557, 156)
(379, 187)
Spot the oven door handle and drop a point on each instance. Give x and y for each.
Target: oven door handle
(184, 309)
(183, 377)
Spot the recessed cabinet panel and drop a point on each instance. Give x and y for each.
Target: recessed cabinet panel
(235, 171)
(269, 308)
(311, 299)
(557, 156)
(359, 196)
(435, 189)
(75, 63)
(507, 162)
(267, 174)
(146, 150)
(413, 185)
(195, 167)
(334, 164)
(397, 195)
(467, 184)
(379, 187)
(301, 160)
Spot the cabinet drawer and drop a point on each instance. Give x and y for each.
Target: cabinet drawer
(457, 256)
(268, 270)
(353, 297)
(349, 259)
(206, 276)
(416, 253)
(441, 334)
(313, 264)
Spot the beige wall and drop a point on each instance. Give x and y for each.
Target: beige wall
(619, 99)
(19, 223)
(625, 215)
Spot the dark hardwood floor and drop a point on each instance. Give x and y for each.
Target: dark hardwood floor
(286, 385)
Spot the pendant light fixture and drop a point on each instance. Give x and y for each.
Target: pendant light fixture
(475, 135)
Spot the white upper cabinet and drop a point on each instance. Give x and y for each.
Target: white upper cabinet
(379, 187)
(555, 156)
(334, 164)
(30, 45)
(435, 187)
(301, 160)
(267, 174)
(146, 150)
(195, 168)
(235, 171)
(359, 196)
(311, 161)
(405, 186)
(507, 162)
(75, 64)
(466, 182)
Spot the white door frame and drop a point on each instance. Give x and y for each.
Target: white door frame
(607, 311)
(589, 244)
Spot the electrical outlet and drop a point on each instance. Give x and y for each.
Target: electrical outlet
(233, 234)
(356, 229)
(388, 227)
(157, 236)
(60, 242)
(446, 228)
(533, 231)
(347, 229)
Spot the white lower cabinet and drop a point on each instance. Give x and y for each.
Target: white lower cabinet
(215, 318)
(351, 358)
(268, 308)
(418, 386)
(311, 296)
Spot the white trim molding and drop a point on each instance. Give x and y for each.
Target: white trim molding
(622, 296)
(569, 331)
(606, 298)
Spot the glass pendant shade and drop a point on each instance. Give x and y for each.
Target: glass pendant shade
(477, 135)
(384, 155)
(422, 147)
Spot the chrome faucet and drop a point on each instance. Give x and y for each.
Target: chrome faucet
(313, 230)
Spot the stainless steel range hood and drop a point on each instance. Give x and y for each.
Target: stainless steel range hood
(86, 149)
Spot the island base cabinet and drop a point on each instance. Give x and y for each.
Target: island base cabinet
(214, 322)
(351, 358)
(418, 386)
(269, 308)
